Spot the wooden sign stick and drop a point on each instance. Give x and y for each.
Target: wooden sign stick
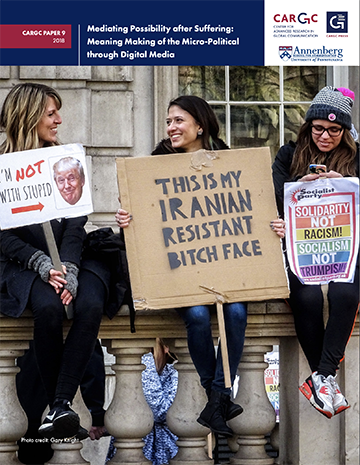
(223, 340)
(220, 300)
(54, 254)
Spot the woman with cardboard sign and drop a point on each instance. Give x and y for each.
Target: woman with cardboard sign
(30, 118)
(191, 126)
(325, 148)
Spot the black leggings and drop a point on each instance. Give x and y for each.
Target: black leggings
(62, 364)
(323, 347)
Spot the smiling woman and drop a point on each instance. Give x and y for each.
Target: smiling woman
(183, 130)
(27, 108)
(48, 125)
(28, 278)
(191, 125)
(324, 139)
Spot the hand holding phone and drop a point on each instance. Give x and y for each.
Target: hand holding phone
(317, 169)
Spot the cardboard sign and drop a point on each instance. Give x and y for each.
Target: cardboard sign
(201, 222)
(39, 185)
(322, 220)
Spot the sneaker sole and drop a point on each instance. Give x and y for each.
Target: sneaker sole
(306, 391)
(64, 426)
(341, 409)
(67, 423)
(82, 434)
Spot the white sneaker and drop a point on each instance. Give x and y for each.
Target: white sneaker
(319, 391)
(340, 403)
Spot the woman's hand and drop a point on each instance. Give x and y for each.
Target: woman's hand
(331, 174)
(309, 177)
(123, 218)
(66, 297)
(97, 432)
(313, 176)
(56, 279)
(278, 226)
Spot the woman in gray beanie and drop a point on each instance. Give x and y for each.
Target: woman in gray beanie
(325, 139)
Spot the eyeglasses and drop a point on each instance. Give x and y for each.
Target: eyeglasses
(318, 130)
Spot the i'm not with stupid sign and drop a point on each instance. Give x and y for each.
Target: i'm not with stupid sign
(43, 184)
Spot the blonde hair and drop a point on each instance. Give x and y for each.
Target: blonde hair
(21, 112)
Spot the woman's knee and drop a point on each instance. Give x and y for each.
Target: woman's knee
(45, 304)
(91, 297)
(236, 314)
(198, 315)
(50, 315)
(342, 297)
(89, 315)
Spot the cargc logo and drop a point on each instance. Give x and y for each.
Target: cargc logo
(302, 18)
(337, 22)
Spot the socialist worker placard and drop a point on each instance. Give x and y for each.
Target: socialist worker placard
(322, 220)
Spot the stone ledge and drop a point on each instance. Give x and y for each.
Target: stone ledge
(265, 319)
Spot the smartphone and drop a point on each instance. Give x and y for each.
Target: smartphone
(317, 169)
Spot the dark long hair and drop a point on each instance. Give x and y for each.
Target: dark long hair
(341, 159)
(204, 115)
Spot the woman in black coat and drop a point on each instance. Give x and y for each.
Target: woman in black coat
(30, 117)
(325, 138)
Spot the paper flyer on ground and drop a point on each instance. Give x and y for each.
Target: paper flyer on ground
(235, 32)
(323, 229)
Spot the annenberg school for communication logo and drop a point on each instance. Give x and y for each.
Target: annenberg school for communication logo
(285, 52)
(322, 53)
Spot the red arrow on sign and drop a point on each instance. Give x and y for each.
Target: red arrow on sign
(29, 208)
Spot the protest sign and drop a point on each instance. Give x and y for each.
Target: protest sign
(201, 221)
(39, 185)
(271, 378)
(322, 220)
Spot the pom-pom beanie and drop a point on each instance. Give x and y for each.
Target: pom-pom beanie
(332, 104)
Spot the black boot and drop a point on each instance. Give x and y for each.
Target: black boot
(232, 410)
(213, 415)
